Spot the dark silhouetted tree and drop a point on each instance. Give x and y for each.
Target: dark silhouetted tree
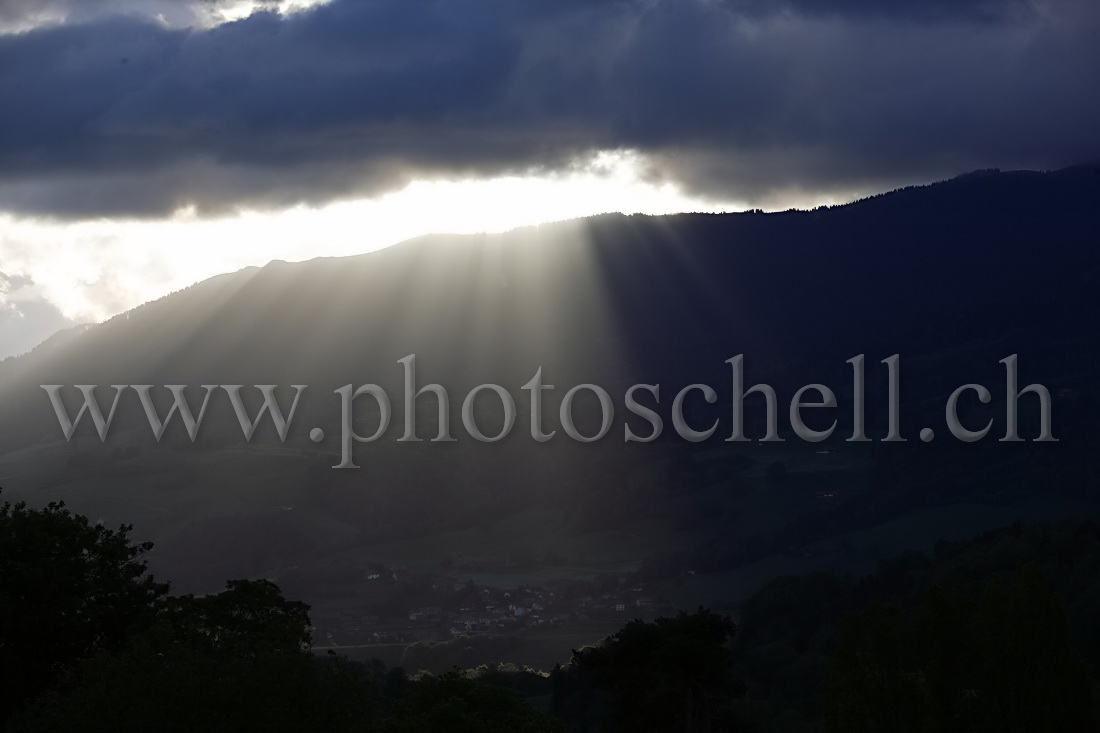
(455, 703)
(232, 661)
(1002, 660)
(672, 674)
(248, 618)
(68, 589)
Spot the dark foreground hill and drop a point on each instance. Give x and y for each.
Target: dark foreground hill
(952, 277)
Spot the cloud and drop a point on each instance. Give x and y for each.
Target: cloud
(120, 115)
(13, 282)
(22, 15)
(933, 11)
(25, 318)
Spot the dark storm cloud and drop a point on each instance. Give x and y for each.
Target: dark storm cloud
(731, 98)
(922, 10)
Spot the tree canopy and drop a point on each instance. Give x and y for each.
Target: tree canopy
(68, 588)
(1001, 659)
(671, 674)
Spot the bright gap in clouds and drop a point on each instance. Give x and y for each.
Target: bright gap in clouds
(237, 9)
(92, 270)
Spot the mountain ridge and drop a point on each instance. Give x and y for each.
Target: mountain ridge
(953, 276)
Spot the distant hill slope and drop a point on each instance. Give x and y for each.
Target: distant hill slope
(953, 276)
(915, 269)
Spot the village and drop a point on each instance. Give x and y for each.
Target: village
(402, 607)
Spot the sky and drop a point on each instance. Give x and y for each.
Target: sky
(147, 144)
